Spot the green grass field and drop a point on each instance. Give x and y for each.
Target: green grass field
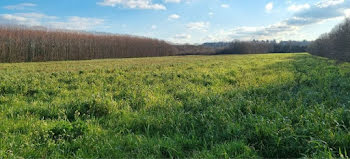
(241, 106)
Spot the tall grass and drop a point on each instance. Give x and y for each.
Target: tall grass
(248, 106)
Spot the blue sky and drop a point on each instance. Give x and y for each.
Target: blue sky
(184, 21)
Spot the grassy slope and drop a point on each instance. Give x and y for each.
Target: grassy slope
(277, 105)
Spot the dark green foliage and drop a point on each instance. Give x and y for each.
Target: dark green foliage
(63, 130)
(86, 109)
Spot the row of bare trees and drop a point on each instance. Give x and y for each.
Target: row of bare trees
(21, 44)
(334, 45)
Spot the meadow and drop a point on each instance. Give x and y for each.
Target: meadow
(240, 106)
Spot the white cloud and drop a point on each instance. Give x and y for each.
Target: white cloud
(225, 6)
(210, 13)
(297, 8)
(172, 1)
(347, 13)
(134, 4)
(269, 7)
(287, 29)
(154, 27)
(327, 3)
(21, 6)
(265, 32)
(278, 31)
(30, 19)
(173, 16)
(77, 23)
(200, 26)
(38, 19)
(177, 1)
(182, 36)
(320, 12)
(9, 18)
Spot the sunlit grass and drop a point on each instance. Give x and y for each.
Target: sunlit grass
(241, 106)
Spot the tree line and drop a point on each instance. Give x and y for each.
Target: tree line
(188, 49)
(334, 45)
(23, 44)
(244, 47)
(258, 47)
(28, 44)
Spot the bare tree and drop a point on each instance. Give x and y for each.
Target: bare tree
(334, 45)
(23, 44)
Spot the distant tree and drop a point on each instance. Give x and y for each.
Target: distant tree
(188, 49)
(334, 45)
(257, 47)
